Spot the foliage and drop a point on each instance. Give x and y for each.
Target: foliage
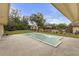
(61, 26)
(38, 18)
(18, 22)
(15, 21)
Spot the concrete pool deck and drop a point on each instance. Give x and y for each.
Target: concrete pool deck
(22, 45)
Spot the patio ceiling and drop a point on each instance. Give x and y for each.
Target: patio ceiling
(70, 10)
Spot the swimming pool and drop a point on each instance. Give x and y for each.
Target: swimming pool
(48, 39)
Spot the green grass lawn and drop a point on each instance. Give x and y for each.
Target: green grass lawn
(28, 31)
(65, 34)
(17, 32)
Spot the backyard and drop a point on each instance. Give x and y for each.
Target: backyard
(43, 32)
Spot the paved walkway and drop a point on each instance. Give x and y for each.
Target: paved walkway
(22, 45)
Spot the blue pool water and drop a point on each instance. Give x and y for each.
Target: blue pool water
(48, 39)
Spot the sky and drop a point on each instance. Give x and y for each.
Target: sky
(51, 14)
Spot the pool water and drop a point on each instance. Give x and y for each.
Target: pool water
(48, 39)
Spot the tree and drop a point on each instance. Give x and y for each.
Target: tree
(38, 18)
(25, 19)
(54, 26)
(14, 22)
(61, 26)
(15, 17)
(25, 22)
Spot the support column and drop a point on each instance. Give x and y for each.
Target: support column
(1, 31)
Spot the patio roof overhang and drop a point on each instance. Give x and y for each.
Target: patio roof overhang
(70, 10)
